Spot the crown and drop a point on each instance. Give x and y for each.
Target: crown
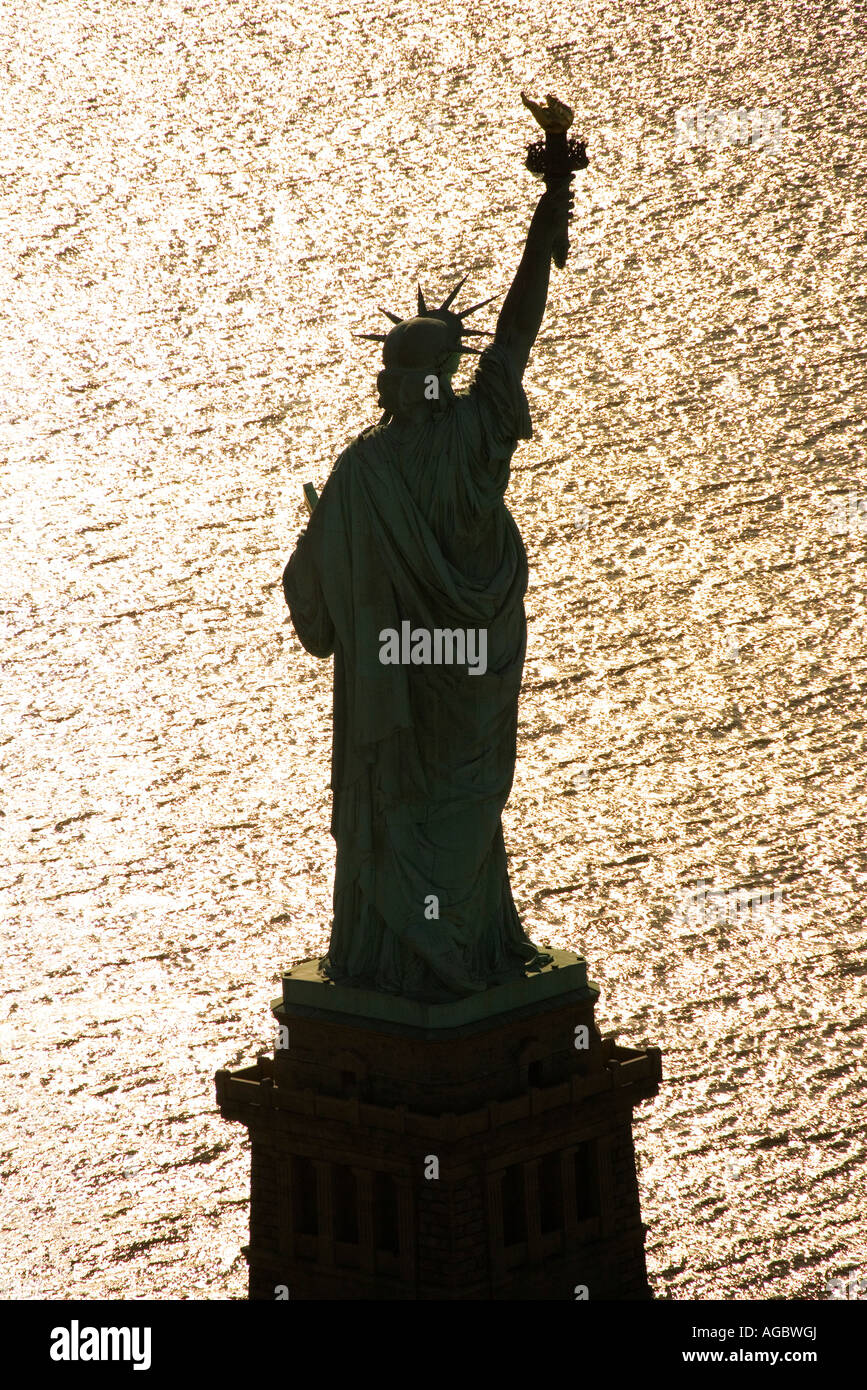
(452, 320)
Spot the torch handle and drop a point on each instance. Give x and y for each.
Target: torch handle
(558, 171)
(560, 247)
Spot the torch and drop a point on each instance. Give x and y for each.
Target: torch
(557, 156)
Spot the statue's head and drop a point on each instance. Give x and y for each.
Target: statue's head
(420, 355)
(420, 342)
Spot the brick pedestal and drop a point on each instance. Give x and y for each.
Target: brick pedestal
(481, 1150)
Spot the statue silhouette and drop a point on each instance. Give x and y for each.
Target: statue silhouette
(411, 534)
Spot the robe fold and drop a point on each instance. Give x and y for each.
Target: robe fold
(412, 526)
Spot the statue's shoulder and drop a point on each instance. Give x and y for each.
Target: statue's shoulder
(369, 432)
(372, 436)
(344, 462)
(357, 454)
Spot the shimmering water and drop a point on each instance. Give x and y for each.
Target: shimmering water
(201, 205)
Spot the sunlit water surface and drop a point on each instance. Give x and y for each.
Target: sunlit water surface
(202, 204)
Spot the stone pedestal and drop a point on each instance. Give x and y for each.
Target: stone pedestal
(475, 1150)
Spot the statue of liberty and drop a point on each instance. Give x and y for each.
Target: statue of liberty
(410, 563)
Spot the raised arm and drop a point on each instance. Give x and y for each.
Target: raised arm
(524, 307)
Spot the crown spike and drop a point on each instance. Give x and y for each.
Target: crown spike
(476, 333)
(422, 307)
(371, 337)
(473, 307)
(395, 318)
(449, 300)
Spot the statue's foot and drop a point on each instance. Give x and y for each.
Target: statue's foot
(444, 961)
(453, 974)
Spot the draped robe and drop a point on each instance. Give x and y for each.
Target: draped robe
(413, 526)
